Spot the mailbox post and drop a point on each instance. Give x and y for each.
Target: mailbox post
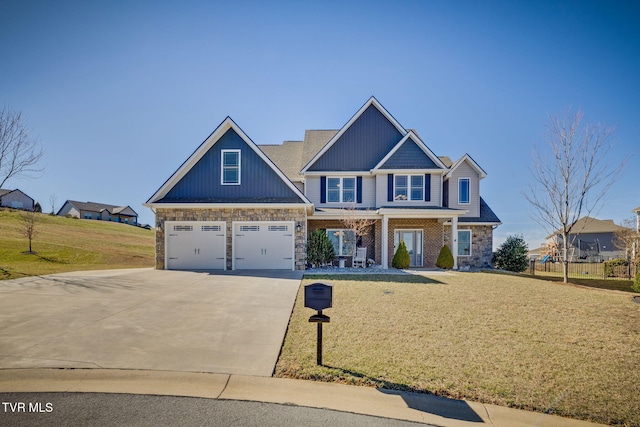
(318, 296)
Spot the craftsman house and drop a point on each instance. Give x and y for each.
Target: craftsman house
(236, 205)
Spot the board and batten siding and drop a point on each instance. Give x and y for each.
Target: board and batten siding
(312, 191)
(381, 192)
(465, 171)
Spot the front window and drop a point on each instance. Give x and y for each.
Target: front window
(341, 190)
(230, 167)
(343, 241)
(409, 187)
(464, 242)
(463, 191)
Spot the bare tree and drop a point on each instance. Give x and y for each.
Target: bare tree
(627, 238)
(570, 176)
(53, 199)
(29, 221)
(19, 151)
(360, 222)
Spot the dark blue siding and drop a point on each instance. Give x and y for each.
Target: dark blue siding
(362, 145)
(409, 156)
(258, 181)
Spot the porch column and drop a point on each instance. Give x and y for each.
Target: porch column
(385, 242)
(454, 241)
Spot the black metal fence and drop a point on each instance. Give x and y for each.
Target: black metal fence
(583, 270)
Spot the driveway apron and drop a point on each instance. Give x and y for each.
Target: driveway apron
(232, 322)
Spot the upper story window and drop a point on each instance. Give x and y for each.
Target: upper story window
(463, 191)
(230, 167)
(409, 187)
(341, 190)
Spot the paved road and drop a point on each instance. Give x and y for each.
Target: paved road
(101, 410)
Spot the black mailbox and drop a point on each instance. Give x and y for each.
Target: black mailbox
(318, 296)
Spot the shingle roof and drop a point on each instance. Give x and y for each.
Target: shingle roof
(591, 225)
(486, 215)
(3, 191)
(636, 209)
(98, 207)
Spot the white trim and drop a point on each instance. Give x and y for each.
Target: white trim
(341, 188)
(222, 153)
(420, 145)
(409, 199)
(372, 101)
(473, 164)
(211, 140)
(470, 241)
(405, 171)
(468, 202)
(338, 173)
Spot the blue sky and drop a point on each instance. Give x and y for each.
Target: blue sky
(120, 93)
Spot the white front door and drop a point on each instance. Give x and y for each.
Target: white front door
(195, 245)
(265, 245)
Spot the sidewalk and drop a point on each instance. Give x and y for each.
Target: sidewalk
(414, 407)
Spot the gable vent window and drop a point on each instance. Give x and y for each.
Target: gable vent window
(211, 228)
(182, 228)
(278, 228)
(249, 228)
(230, 167)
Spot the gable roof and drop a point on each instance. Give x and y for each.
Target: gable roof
(227, 125)
(467, 158)
(428, 160)
(372, 110)
(591, 225)
(97, 207)
(637, 210)
(4, 192)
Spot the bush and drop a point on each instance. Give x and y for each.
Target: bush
(512, 255)
(445, 258)
(610, 266)
(401, 259)
(636, 283)
(319, 248)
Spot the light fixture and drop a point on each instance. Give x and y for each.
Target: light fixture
(298, 227)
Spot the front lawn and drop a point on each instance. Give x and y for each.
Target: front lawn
(502, 339)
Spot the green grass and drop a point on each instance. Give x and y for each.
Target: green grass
(66, 244)
(502, 339)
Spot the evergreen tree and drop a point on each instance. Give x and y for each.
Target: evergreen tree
(319, 248)
(401, 259)
(445, 258)
(512, 255)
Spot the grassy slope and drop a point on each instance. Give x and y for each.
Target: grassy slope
(503, 339)
(64, 244)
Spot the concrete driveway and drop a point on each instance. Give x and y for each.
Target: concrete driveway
(231, 322)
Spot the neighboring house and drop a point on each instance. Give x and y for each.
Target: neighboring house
(590, 239)
(637, 212)
(16, 199)
(235, 205)
(99, 211)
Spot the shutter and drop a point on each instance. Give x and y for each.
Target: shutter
(427, 187)
(323, 189)
(358, 189)
(390, 187)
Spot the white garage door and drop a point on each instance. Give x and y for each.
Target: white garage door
(195, 245)
(263, 245)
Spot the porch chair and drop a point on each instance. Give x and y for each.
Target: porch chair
(360, 259)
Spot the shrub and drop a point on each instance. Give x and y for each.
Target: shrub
(512, 255)
(610, 266)
(319, 248)
(636, 283)
(401, 259)
(445, 258)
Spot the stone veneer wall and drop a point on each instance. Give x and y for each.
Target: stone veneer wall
(481, 246)
(230, 215)
(432, 237)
